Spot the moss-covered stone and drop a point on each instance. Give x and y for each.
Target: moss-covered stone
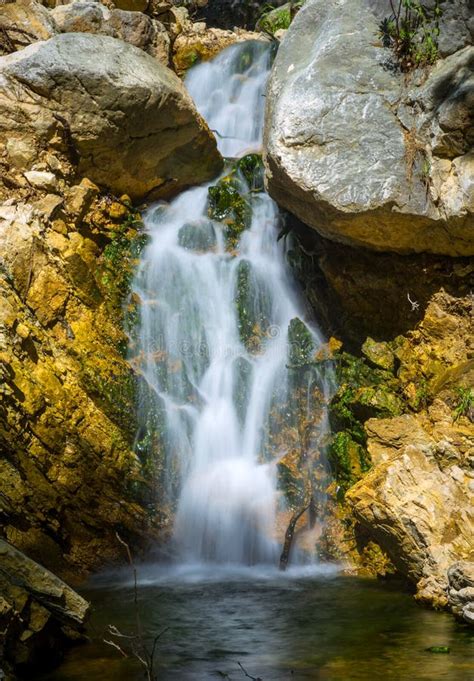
(229, 205)
(242, 385)
(251, 167)
(278, 18)
(349, 460)
(300, 344)
(118, 263)
(252, 305)
(198, 236)
(379, 354)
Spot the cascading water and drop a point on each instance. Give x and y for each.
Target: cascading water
(213, 338)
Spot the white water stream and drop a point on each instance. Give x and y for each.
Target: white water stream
(220, 401)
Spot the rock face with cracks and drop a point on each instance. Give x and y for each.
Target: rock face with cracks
(39, 614)
(128, 120)
(361, 152)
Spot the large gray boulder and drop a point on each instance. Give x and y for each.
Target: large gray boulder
(364, 154)
(135, 28)
(126, 120)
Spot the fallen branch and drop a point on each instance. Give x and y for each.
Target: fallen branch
(249, 676)
(289, 534)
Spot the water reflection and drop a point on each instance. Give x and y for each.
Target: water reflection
(324, 627)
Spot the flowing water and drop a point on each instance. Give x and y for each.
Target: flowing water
(223, 399)
(230, 407)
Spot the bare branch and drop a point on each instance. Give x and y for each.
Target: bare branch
(249, 676)
(115, 645)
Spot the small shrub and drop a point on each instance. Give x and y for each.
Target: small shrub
(412, 32)
(465, 403)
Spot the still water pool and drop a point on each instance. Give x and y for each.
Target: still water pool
(315, 625)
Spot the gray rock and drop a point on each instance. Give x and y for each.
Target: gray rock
(39, 613)
(24, 22)
(348, 143)
(135, 28)
(461, 590)
(126, 118)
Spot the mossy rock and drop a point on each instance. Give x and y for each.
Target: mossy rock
(118, 263)
(379, 354)
(242, 384)
(349, 461)
(376, 402)
(252, 169)
(253, 307)
(364, 392)
(300, 344)
(198, 236)
(113, 386)
(279, 18)
(228, 204)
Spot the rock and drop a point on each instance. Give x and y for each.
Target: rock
(40, 614)
(79, 198)
(127, 101)
(357, 293)
(277, 19)
(24, 22)
(198, 236)
(68, 474)
(195, 45)
(411, 503)
(461, 590)
(379, 354)
(358, 155)
(132, 5)
(42, 179)
(132, 27)
(456, 26)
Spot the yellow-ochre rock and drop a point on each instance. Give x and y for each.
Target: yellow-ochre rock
(69, 478)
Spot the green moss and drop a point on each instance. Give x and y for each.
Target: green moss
(251, 167)
(118, 263)
(228, 204)
(113, 387)
(252, 304)
(379, 354)
(274, 19)
(241, 391)
(348, 459)
(300, 344)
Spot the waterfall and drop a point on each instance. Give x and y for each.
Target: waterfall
(213, 339)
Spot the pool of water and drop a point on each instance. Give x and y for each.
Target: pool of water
(305, 625)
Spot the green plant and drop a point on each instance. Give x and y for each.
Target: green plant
(465, 403)
(412, 31)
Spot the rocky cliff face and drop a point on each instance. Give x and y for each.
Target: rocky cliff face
(69, 476)
(379, 163)
(363, 153)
